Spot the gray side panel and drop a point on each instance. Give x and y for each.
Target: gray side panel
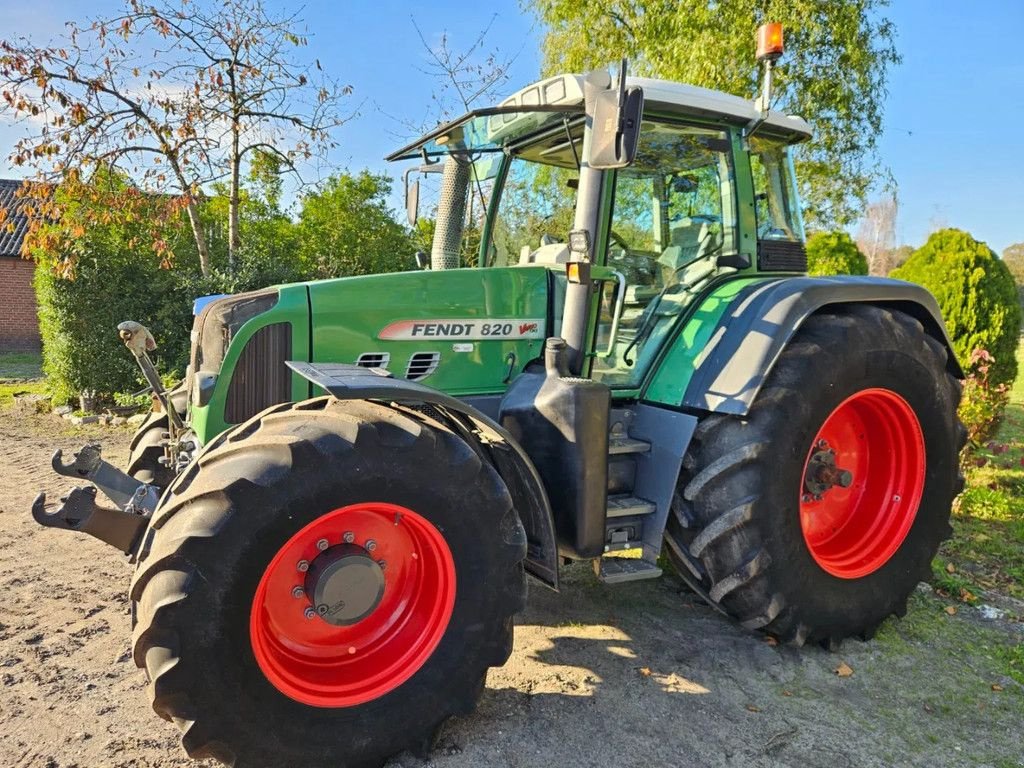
(657, 471)
(351, 382)
(762, 320)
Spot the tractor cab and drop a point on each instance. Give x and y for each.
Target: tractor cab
(708, 192)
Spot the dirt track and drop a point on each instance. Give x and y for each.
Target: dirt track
(637, 675)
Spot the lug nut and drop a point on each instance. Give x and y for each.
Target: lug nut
(383, 564)
(310, 613)
(371, 545)
(298, 592)
(349, 537)
(806, 498)
(302, 565)
(322, 544)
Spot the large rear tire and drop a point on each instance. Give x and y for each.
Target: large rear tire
(238, 651)
(815, 516)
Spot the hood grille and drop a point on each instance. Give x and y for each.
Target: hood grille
(421, 365)
(374, 359)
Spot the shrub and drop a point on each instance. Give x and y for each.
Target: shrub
(977, 296)
(834, 253)
(983, 401)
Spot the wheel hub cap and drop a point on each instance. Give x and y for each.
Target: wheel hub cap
(353, 604)
(862, 483)
(344, 584)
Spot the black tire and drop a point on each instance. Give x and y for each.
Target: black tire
(145, 450)
(735, 531)
(248, 492)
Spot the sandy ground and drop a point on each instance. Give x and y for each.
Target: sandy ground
(635, 675)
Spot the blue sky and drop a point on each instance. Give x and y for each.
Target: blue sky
(954, 113)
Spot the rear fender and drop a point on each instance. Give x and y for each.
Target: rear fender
(351, 382)
(762, 319)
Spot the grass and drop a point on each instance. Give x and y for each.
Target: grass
(987, 548)
(20, 372)
(20, 365)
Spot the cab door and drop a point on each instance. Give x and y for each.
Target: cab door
(673, 215)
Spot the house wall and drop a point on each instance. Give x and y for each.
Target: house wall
(19, 322)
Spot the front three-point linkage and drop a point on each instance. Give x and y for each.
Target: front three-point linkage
(121, 527)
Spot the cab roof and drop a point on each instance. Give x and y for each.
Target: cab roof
(563, 94)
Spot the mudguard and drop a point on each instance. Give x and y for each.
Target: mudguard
(352, 382)
(762, 319)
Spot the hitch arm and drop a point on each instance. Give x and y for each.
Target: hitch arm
(88, 465)
(80, 513)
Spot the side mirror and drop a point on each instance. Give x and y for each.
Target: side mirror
(412, 200)
(615, 116)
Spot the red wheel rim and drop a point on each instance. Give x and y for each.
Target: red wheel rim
(324, 665)
(875, 436)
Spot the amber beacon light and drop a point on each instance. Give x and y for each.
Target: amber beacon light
(769, 41)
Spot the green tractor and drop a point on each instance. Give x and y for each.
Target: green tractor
(333, 521)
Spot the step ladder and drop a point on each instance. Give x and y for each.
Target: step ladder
(626, 511)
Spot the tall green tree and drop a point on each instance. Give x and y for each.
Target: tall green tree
(977, 296)
(346, 228)
(834, 73)
(834, 253)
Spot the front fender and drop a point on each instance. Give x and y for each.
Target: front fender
(762, 317)
(352, 382)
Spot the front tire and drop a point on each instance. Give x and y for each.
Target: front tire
(815, 516)
(223, 590)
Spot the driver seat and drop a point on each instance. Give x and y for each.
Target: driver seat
(689, 239)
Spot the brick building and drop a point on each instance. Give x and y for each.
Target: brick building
(19, 322)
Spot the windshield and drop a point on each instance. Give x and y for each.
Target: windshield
(484, 130)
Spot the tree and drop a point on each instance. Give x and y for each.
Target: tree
(834, 72)
(1013, 258)
(173, 95)
(976, 293)
(834, 253)
(346, 228)
(876, 236)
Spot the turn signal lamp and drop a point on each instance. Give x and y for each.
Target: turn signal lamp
(769, 41)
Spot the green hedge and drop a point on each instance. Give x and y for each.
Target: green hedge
(78, 322)
(834, 253)
(977, 295)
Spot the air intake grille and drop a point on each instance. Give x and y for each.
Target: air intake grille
(421, 365)
(260, 379)
(781, 256)
(374, 359)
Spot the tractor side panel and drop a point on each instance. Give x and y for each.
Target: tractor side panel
(462, 331)
(728, 347)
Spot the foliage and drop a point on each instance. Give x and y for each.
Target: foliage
(987, 548)
(983, 401)
(834, 72)
(834, 253)
(346, 228)
(976, 294)
(172, 95)
(1013, 258)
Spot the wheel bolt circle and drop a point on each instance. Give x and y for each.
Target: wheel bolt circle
(322, 544)
(348, 537)
(310, 613)
(371, 545)
(302, 566)
(298, 592)
(383, 564)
